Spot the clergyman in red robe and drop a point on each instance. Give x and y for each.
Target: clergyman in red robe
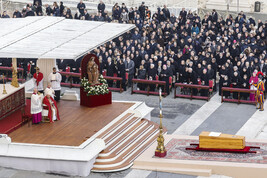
(52, 108)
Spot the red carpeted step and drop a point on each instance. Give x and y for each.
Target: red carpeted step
(14, 120)
(11, 122)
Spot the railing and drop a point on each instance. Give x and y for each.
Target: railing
(149, 82)
(20, 70)
(238, 90)
(114, 79)
(71, 84)
(70, 75)
(191, 87)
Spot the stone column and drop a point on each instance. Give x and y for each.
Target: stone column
(46, 67)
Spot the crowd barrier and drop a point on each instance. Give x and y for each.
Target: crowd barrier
(191, 87)
(238, 90)
(70, 76)
(148, 83)
(115, 79)
(19, 70)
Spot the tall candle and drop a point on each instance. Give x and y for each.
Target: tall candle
(160, 102)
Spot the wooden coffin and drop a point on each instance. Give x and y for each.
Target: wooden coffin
(223, 141)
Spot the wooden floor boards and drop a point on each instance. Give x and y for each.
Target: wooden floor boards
(77, 123)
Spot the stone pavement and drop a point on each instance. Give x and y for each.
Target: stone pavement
(180, 116)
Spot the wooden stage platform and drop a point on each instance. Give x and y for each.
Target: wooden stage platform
(77, 124)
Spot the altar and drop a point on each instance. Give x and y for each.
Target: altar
(11, 106)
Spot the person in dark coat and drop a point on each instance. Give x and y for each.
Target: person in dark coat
(129, 68)
(17, 14)
(223, 72)
(74, 67)
(235, 80)
(182, 72)
(62, 65)
(214, 15)
(151, 75)
(101, 7)
(210, 72)
(192, 79)
(164, 76)
(81, 6)
(166, 12)
(39, 1)
(121, 73)
(142, 10)
(204, 82)
(214, 66)
(56, 11)
(110, 70)
(226, 83)
(86, 15)
(38, 9)
(29, 12)
(61, 8)
(48, 10)
(244, 83)
(183, 14)
(141, 75)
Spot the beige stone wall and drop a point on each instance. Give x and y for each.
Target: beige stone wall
(46, 67)
(244, 5)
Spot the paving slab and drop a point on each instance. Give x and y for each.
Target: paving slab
(228, 118)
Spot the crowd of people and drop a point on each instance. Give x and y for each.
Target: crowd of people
(183, 48)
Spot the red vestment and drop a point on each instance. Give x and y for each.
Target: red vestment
(29, 68)
(48, 104)
(39, 77)
(67, 70)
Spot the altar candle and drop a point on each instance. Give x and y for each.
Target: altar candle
(160, 103)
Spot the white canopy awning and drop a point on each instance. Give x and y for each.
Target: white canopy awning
(54, 37)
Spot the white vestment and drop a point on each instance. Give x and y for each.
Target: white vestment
(40, 86)
(36, 104)
(54, 117)
(55, 80)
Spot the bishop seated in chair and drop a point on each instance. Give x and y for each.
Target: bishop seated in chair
(51, 105)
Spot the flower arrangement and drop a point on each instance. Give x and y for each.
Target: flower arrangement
(98, 89)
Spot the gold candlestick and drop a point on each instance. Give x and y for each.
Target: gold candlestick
(160, 150)
(4, 87)
(14, 81)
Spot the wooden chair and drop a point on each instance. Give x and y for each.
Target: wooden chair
(45, 113)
